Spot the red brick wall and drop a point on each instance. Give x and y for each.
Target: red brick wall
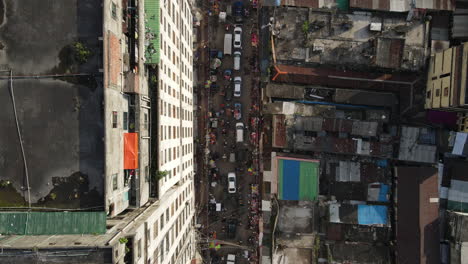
(115, 60)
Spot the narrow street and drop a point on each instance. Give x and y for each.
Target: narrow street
(230, 219)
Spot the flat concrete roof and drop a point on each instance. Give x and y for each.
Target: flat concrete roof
(60, 116)
(329, 38)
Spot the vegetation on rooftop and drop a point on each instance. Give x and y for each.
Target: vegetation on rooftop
(82, 53)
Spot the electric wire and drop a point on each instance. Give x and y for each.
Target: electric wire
(12, 94)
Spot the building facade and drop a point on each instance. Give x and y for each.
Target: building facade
(446, 80)
(147, 177)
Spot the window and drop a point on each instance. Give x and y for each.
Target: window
(428, 95)
(161, 219)
(114, 182)
(167, 215)
(446, 91)
(437, 92)
(139, 248)
(125, 121)
(155, 229)
(167, 243)
(147, 174)
(146, 121)
(114, 11)
(114, 119)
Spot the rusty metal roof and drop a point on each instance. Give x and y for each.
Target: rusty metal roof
(301, 3)
(383, 5)
(402, 6)
(418, 214)
(343, 79)
(279, 131)
(389, 52)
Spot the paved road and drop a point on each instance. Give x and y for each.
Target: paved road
(236, 207)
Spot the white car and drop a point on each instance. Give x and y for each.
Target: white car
(237, 86)
(231, 259)
(238, 38)
(231, 182)
(237, 59)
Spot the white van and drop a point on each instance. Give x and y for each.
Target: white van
(239, 132)
(227, 44)
(237, 58)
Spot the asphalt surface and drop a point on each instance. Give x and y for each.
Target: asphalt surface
(236, 207)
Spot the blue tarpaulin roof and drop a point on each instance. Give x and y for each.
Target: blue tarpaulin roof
(372, 214)
(383, 193)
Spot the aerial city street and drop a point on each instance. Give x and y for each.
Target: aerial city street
(234, 131)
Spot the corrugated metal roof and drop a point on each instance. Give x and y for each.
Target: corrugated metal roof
(337, 125)
(359, 97)
(410, 150)
(364, 128)
(435, 4)
(349, 172)
(301, 3)
(344, 79)
(460, 26)
(153, 49)
(279, 131)
(308, 123)
(383, 5)
(389, 52)
(51, 223)
(401, 5)
(417, 214)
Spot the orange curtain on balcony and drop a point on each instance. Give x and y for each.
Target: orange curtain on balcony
(130, 151)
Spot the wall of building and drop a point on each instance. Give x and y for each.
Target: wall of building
(165, 231)
(175, 94)
(446, 82)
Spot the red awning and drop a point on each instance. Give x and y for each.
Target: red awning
(130, 151)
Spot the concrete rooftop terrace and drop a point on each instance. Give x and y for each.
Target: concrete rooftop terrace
(58, 102)
(346, 39)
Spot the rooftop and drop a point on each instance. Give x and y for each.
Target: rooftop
(60, 114)
(354, 180)
(362, 253)
(323, 128)
(418, 215)
(414, 148)
(401, 6)
(355, 41)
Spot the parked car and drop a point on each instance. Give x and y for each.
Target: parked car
(228, 95)
(237, 59)
(231, 182)
(239, 11)
(239, 132)
(237, 111)
(238, 38)
(231, 259)
(241, 155)
(231, 228)
(237, 86)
